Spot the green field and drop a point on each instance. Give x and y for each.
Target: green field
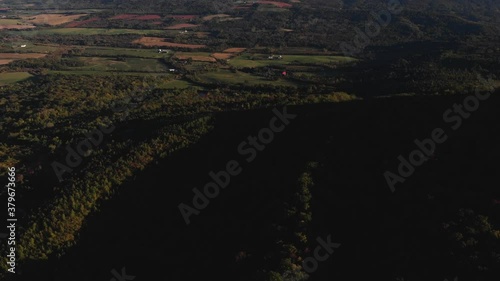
(196, 65)
(30, 48)
(261, 60)
(9, 21)
(176, 84)
(91, 31)
(13, 77)
(228, 77)
(164, 81)
(130, 64)
(306, 74)
(104, 73)
(197, 54)
(116, 52)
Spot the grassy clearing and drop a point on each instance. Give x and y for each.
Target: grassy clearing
(52, 19)
(196, 65)
(110, 73)
(306, 74)
(195, 56)
(116, 52)
(316, 59)
(176, 84)
(228, 77)
(130, 64)
(158, 41)
(140, 64)
(261, 60)
(13, 77)
(6, 58)
(15, 48)
(272, 9)
(30, 48)
(9, 21)
(19, 56)
(164, 79)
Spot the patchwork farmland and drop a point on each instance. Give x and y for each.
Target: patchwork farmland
(171, 49)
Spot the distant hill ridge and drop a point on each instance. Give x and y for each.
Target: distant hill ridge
(456, 6)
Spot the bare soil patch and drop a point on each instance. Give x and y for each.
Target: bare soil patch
(211, 17)
(16, 26)
(52, 19)
(234, 50)
(222, 56)
(276, 3)
(3, 62)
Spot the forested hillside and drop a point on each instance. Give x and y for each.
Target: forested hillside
(250, 140)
